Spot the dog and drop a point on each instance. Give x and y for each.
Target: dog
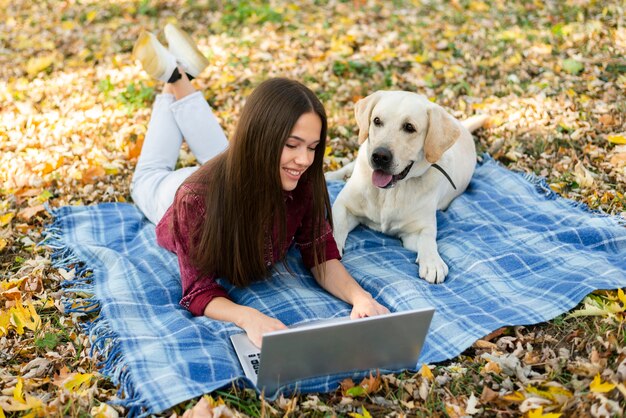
(414, 159)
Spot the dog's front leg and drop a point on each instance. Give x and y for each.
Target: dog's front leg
(432, 268)
(343, 222)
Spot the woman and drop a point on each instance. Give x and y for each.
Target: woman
(239, 212)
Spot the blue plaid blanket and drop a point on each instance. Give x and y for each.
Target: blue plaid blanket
(518, 254)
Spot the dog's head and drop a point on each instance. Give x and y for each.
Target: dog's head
(406, 134)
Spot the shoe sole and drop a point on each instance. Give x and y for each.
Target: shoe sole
(145, 50)
(184, 47)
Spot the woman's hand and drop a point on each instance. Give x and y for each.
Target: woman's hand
(365, 305)
(334, 277)
(256, 324)
(249, 319)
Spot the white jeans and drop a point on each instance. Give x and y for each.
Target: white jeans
(155, 181)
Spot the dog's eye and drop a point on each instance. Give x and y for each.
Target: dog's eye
(408, 127)
(377, 121)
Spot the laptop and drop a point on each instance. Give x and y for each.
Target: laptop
(339, 345)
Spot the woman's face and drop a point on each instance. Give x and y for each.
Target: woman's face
(299, 150)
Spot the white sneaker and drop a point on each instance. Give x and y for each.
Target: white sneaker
(155, 59)
(185, 50)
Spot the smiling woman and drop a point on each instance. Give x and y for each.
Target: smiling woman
(299, 153)
(238, 213)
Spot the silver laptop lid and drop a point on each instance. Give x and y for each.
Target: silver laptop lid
(391, 341)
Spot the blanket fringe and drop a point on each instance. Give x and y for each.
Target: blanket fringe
(104, 341)
(543, 188)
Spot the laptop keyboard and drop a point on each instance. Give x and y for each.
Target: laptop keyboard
(255, 360)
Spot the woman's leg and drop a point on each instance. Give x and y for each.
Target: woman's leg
(196, 121)
(179, 110)
(155, 181)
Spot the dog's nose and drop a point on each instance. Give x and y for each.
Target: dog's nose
(381, 158)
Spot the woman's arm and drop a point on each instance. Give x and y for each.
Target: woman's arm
(253, 322)
(337, 281)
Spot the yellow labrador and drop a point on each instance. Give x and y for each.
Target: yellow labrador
(414, 159)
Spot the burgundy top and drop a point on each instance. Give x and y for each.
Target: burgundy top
(185, 215)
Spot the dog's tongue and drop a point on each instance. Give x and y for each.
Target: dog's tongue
(380, 178)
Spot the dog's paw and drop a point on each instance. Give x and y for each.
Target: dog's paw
(432, 268)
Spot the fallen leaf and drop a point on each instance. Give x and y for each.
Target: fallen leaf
(365, 413)
(597, 386)
(90, 175)
(484, 344)
(572, 66)
(61, 376)
(488, 395)
(538, 413)
(24, 317)
(606, 120)
(104, 411)
(583, 176)
(27, 213)
(494, 334)
(77, 381)
(134, 150)
(17, 392)
(6, 218)
(471, 407)
(371, 384)
(617, 139)
(36, 65)
(426, 372)
(346, 384)
(618, 160)
(515, 397)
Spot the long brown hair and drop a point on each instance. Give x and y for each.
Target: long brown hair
(244, 196)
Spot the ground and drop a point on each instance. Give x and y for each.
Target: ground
(73, 112)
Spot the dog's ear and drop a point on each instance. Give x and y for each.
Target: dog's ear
(442, 133)
(363, 112)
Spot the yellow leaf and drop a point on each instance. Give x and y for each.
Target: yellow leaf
(24, 317)
(18, 395)
(366, 414)
(597, 306)
(35, 405)
(514, 397)
(420, 58)
(621, 297)
(6, 218)
(538, 413)
(67, 25)
(5, 321)
(478, 6)
(542, 393)
(91, 16)
(557, 390)
(76, 381)
(103, 411)
(36, 65)
(617, 139)
(2, 413)
(3, 243)
(111, 171)
(598, 387)
(438, 65)
(425, 372)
